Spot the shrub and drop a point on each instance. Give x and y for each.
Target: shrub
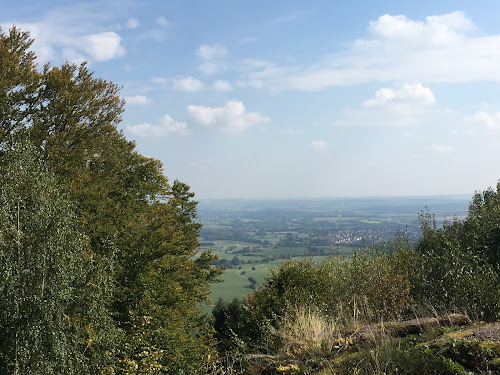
(450, 274)
(373, 285)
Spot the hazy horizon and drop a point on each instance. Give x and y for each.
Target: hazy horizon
(437, 196)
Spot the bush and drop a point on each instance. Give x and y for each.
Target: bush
(451, 274)
(372, 285)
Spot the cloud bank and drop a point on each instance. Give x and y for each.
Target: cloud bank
(401, 106)
(166, 127)
(442, 48)
(137, 99)
(188, 84)
(232, 117)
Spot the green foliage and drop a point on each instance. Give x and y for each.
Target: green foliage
(372, 282)
(232, 325)
(19, 82)
(389, 359)
(140, 232)
(471, 355)
(52, 315)
(455, 268)
(161, 285)
(371, 286)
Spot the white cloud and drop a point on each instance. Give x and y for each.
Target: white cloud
(137, 99)
(189, 84)
(102, 46)
(132, 23)
(232, 117)
(437, 30)
(69, 54)
(212, 52)
(403, 106)
(162, 21)
(440, 48)
(167, 126)
(212, 56)
(491, 121)
(409, 93)
(319, 145)
(62, 34)
(441, 148)
(222, 86)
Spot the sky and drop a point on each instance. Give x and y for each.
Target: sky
(293, 99)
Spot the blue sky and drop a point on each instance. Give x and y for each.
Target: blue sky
(285, 99)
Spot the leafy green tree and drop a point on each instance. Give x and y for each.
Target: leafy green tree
(482, 226)
(162, 286)
(458, 267)
(140, 229)
(19, 83)
(51, 310)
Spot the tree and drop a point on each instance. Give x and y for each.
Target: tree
(51, 311)
(459, 265)
(135, 221)
(162, 287)
(19, 82)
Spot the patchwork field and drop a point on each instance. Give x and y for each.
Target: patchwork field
(251, 237)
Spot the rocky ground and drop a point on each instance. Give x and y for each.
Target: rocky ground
(465, 348)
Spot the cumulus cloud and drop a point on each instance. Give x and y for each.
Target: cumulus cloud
(167, 126)
(137, 99)
(222, 86)
(232, 117)
(440, 48)
(319, 145)
(212, 55)
(212, 52)
(438, 30)
(188, 84)
(402, 106)
(69, 54)
(491, 121)
(132, 23)
(63, 34)
(441, 148)
(102, 46)
(409, 93)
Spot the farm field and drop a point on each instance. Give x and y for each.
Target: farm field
(251, 237)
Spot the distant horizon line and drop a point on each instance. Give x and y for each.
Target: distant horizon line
(456, 196)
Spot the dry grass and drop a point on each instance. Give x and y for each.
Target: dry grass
(307, 332)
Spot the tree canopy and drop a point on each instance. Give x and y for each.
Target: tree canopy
(137, 232)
